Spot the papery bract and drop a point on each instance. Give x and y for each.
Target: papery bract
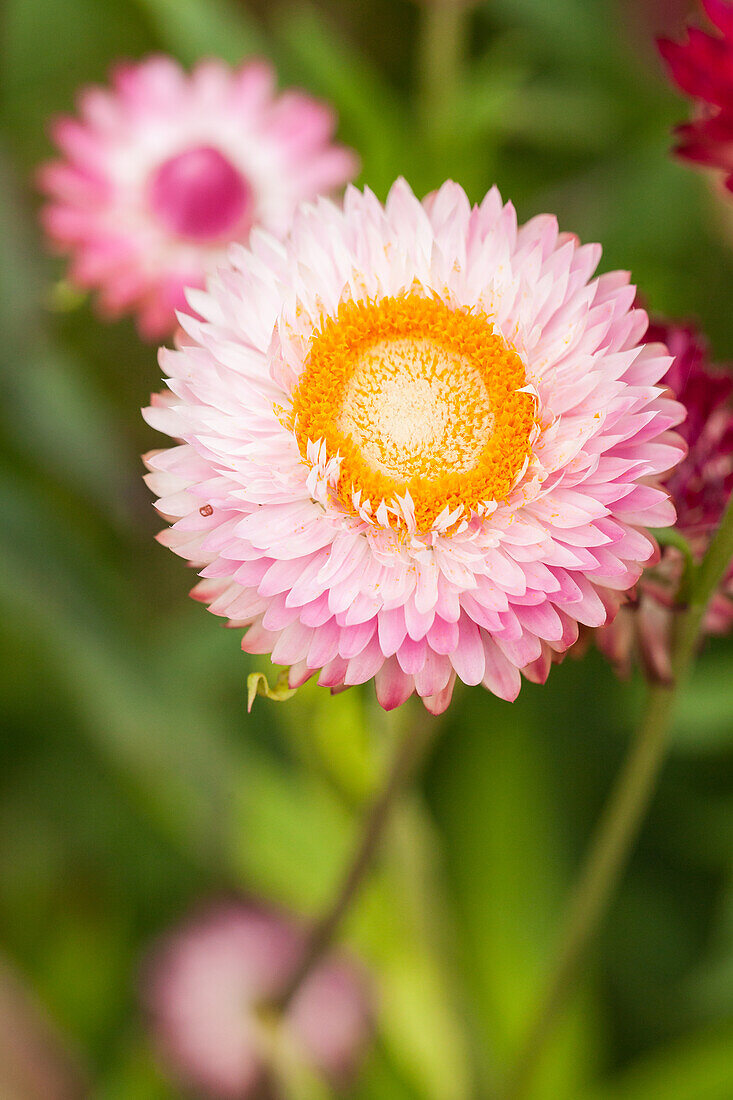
(417, 442)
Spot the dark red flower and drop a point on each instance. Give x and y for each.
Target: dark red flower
(700, 487)
(702, 66)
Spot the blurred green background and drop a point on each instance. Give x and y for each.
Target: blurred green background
(133, 783)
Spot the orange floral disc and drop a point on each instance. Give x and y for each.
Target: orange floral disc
(415, 397)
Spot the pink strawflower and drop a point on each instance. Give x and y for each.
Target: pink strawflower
(163, 169)
(205, 981)
(700, 486)
(702, 66)
(416, 442)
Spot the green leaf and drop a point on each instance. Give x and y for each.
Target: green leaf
(292, 837)
(381, 1077)
(64, 297)
(405, 931)
(192, 29)
(333, 734)
(293, 1075)
(50, 49)
(257, 684)
(702, 722)
(52, 413)
(161, 740)
(698, 1067)
(564, 29)
(135, 1074)
(499, 813)
(555, 116)
(368, 108)
(670, 536)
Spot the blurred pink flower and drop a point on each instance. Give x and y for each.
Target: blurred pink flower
(204, 979)
(700, 487)
(702, 66)
(163, 169)
(416, 441)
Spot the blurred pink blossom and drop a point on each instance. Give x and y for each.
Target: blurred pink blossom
(163, 169)
(204, 979)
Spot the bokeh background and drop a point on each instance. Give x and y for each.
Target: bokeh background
(133, 784)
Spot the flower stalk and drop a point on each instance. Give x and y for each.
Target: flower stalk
(412, 745)
(441, 44)
(623, 814)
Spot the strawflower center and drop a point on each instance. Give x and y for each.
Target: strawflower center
(200, 195)
(416, 397)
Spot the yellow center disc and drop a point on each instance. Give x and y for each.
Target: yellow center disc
(418, 397)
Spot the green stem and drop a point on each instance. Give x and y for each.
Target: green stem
(440, 54)
(410, 750)
(622, 816)
(288, 1075)
(714, 565)
(614, 835)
